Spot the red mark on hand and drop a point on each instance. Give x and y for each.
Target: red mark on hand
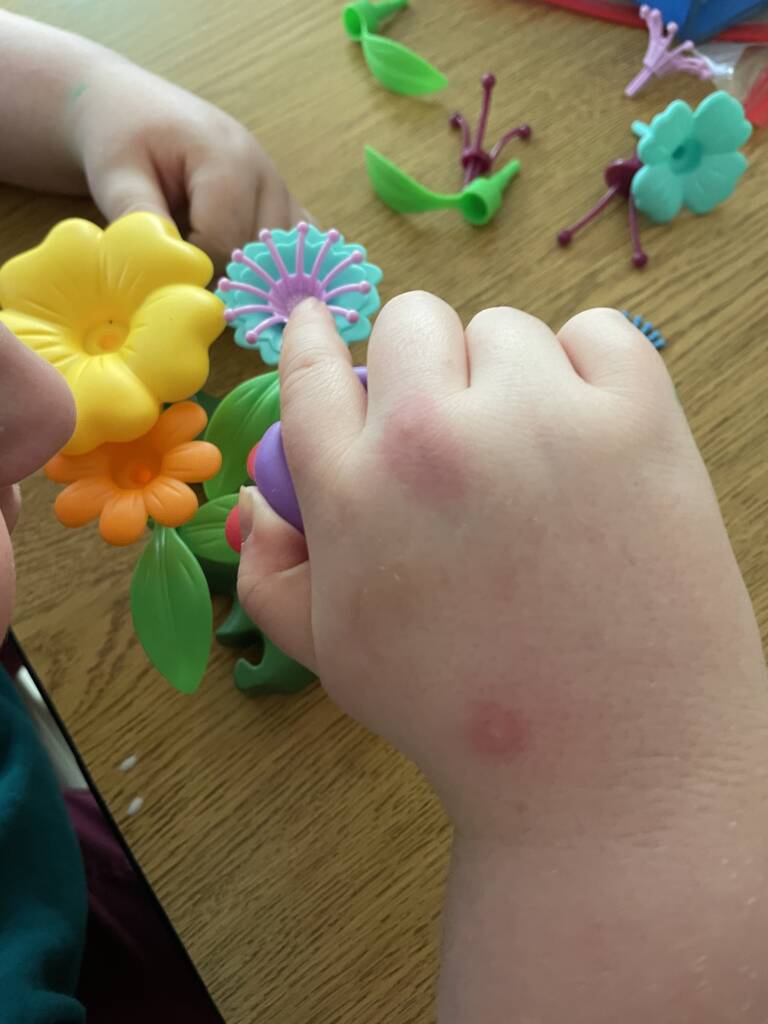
(496, 733)
(422, 451)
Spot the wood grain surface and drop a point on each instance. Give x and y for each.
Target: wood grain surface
(301, 860)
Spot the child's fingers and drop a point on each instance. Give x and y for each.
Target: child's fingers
(608, 351)
(321, 398)
(276, 206)
(273, 580)
(124, 188)
(508, 347)
(417, 346)
(222, 210)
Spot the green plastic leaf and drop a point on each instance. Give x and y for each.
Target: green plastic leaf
(275, 673)
(237, 425)
(238, 629)
(204, 535)
(171, 609)
(400, 69)
(402, 192)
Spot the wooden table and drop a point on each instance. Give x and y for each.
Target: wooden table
(300, 859)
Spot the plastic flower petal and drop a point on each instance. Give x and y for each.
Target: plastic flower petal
(122, 313)
(690, 159)
(123, 484)
(661, 192)
(720, 125)
(268, 278)
(715, 181)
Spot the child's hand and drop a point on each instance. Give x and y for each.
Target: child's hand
(519, 575)
(515, 551)
(146, 144)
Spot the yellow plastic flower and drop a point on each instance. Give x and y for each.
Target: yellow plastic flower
(122, 313)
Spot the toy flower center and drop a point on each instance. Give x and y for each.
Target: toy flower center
(277, 296)
(105, 337)
(135, 468)
(686, 157)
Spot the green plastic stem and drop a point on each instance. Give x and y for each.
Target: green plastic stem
(363, 16)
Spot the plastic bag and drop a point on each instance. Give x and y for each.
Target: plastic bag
(742, 71)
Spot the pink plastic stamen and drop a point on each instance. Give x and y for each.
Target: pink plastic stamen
(330, 240)
(660, 59)
(225, 285)
(355, 257)
(292, 287)
(475, 159)
(239, 256)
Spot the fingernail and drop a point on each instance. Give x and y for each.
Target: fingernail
(246, 513)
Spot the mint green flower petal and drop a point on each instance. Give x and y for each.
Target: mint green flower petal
(713, 181)
(666, 132)
(658, 193)
(720, 125)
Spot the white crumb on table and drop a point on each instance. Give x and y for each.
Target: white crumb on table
(135, 805)
(128, 763)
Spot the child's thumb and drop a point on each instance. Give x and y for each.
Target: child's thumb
(273, 581)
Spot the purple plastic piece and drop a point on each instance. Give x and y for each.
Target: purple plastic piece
(618, 177)
(660, 59)
(271, 473)
(475, 159)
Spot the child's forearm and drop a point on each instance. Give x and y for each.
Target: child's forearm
(43, 71)
(662, 928)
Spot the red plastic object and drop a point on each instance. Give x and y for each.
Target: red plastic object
(755, 32)
(756, 103)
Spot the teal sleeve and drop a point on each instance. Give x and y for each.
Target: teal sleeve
(43, 901)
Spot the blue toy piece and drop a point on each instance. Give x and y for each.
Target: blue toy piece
(655, 337)
(702, 19)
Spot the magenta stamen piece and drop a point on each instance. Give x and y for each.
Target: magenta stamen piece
(639, 255)
(618, 178)
(565, 237)
(475, 159)
(291, 287)
(660, 59)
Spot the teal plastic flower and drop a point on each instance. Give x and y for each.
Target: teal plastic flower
(690, 159)
(268, 278)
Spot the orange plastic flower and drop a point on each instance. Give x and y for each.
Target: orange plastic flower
(124, 484)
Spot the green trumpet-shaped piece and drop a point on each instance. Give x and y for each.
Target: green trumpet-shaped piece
(363, 16)
(478, 202)
(394, 65)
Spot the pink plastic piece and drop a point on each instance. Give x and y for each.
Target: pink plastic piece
(232, 530)
(475, 159)
(660, 59)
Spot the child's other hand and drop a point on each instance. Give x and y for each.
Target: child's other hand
(518, 572)
(146, 144)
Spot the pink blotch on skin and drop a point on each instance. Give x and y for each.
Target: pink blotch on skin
(497, 733)
(423, 453)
